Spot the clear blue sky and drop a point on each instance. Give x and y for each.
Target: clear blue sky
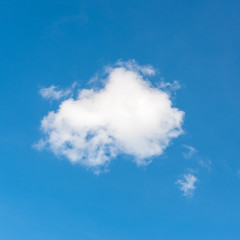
(45, 43)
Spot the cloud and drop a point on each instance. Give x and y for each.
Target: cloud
(205, 163)
(131, 65)
(190, 151)
(170, 87)
(187, 184)
(126, 116)
(54, 93)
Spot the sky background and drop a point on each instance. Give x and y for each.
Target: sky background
(61, 42)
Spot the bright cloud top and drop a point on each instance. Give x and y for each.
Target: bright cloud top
(187, 184)
(127, 116)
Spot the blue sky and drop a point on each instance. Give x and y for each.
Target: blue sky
(58, 43)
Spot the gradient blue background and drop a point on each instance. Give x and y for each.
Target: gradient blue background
(59, 42)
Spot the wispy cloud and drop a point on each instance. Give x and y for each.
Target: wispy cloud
(170, 87)
(205, 163)
(187, 184)
(190, 151)
(128, 115)
(55, 93)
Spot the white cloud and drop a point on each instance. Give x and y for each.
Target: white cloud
(54, 93)
(190, 151)
(133, 66)
(187, 184)
(128, 115)
(172, 87)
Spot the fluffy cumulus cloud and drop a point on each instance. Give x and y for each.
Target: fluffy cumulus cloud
(187, 184)
(127, 115)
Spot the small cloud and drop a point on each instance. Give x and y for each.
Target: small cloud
(127, 115)
(173, 87)
(190, 151)
(39, 145)
(187, 184)
(54, 93)
(205, 163)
